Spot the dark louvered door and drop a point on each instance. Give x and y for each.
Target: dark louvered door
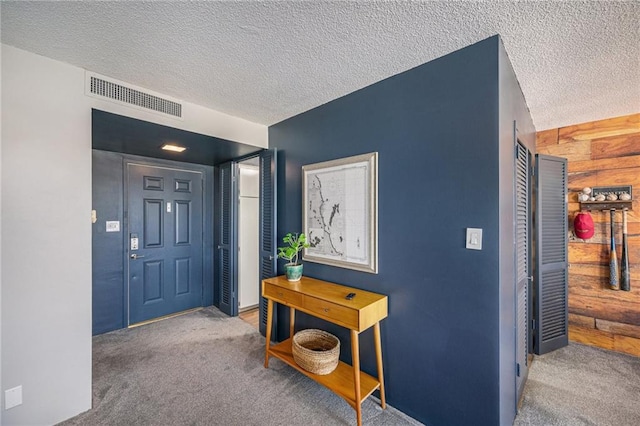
(268, 265)
(551, 254)
(227, 258)
(523, 263)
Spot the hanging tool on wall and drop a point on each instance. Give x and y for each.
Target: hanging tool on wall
(613, 257)
(625, 276)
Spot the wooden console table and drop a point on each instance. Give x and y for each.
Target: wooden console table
(329, 301)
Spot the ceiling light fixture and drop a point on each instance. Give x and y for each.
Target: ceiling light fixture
(173, 148)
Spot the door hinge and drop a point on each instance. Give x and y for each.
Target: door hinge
(533, 324)
(518, 369)
(533, 171)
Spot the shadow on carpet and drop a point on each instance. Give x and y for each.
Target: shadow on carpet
(205, 368)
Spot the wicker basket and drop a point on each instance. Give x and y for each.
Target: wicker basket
(316, 351)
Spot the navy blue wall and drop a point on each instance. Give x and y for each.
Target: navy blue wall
(436, 130)
(107, 247)
(109, 298)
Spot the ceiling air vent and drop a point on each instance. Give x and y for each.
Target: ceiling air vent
(107, 89)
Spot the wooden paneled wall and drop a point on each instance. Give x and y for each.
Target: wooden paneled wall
(601, 153)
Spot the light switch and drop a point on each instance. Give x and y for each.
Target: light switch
(113, 226)
(474, 238)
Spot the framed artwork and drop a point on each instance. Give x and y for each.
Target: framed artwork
(340, 212)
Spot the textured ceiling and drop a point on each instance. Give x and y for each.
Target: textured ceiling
(576, 61)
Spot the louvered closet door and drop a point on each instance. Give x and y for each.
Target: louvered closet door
(227, 259)
(551, 254)
(523, 264)
(268, 198)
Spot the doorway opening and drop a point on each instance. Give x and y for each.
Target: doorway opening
(248, 231)
(116, 140)
(230, 266)
(173, 266)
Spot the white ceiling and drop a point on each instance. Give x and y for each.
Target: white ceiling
(265, 61)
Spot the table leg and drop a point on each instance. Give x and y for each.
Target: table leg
(269, 321)
(376, 336)
(355, 359)
(292, 321)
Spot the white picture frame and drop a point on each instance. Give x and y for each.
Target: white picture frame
(340, 212)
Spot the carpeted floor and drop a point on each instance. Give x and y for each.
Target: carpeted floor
(205, 368)
(582, 385)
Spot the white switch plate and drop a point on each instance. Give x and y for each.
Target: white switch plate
(113, 226)
(474, 238)
(12, 397)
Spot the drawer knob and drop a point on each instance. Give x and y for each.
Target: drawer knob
(280, 294)
(326, 309)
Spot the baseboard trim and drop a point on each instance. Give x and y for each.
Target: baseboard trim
(151, 321)
(398, 412)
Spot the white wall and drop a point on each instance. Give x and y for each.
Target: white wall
(1, 395)
(46, 244)
(195, 118)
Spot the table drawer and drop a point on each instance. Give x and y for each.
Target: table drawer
(330, 311)
(282, 295)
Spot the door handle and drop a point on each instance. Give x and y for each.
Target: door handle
(135, 256)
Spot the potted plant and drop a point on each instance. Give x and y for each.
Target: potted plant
(295, 244)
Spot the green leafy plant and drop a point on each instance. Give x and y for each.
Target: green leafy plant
(296, 243)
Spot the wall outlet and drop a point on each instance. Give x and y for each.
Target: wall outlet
(12, 397)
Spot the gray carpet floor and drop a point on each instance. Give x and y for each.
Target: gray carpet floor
(205, 368)
(582, 385)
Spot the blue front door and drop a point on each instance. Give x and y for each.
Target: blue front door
(164, 241)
